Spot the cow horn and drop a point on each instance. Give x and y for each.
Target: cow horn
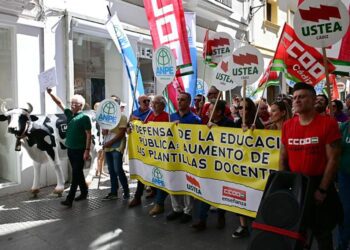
(30, 108)
(3, 107)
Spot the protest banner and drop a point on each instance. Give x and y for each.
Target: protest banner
(225, 167)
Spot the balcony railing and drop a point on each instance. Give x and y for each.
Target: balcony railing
(227, 3)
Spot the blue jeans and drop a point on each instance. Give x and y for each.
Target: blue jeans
(114, 161)
(343, 234)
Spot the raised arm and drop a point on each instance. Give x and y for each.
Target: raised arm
(56, 99)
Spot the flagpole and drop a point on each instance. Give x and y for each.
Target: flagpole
(265, 87)
(216, 102)
(325, 62)
(135, 87)
(244, 102)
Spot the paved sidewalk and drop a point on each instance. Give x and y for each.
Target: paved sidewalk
(43, 223)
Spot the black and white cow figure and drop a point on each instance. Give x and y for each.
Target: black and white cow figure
(43, 137)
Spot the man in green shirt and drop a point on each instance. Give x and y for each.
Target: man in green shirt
(78, 143)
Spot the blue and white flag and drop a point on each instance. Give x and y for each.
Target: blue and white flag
(120, 39)
(190, 81)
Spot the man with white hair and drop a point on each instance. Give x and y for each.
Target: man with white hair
(78, 143)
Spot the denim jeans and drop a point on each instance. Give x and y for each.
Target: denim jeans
(114, 161)
(76, 159)
(343, 234)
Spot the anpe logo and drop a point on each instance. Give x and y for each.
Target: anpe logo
(157, 177)
(108, 113)
(303, 141)
(193, 185)
(163, 64)
(163, 58)
(234, 193)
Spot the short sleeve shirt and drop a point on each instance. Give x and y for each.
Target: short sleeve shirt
(78, 124)
(188, 118)
(119, 145)
(306, 145)
(142, 115)
(162, 117)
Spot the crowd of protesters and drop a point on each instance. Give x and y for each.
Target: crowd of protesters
(302, 115)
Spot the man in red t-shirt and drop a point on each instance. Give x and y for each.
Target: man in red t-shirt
(311, 146)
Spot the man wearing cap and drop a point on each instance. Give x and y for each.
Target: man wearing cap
(311, 146)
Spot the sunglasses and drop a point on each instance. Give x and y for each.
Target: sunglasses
(241, 107)
(197, 100)
(146, 101)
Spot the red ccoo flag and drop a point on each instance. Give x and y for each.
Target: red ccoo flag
(245, 59)
(323, 13)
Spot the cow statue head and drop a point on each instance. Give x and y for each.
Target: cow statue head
(19, 121)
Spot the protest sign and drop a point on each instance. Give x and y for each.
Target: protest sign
(108, 114)
(225, 167)
(47, 79)
(321, 24)
(164, 66)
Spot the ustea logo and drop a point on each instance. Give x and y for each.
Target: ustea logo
(193, 184)
(245, 59)
(157, 177)
(321, 25)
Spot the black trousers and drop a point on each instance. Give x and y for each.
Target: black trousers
(323, 218)
(76, 158)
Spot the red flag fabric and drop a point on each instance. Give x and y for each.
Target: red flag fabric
(334, 87)
(168, 27)
(344, 53)
(301, 61)
(269, 76)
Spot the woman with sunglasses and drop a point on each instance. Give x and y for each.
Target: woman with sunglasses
(249, 114)
(280, 112)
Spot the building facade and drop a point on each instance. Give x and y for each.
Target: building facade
(70, 35)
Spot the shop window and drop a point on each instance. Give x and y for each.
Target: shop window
(98, 71)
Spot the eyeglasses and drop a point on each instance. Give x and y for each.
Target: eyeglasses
(146, 101)
(241, 107)
(181, 99)
(75, 104)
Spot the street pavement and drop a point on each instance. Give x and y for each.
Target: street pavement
(43, 223)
